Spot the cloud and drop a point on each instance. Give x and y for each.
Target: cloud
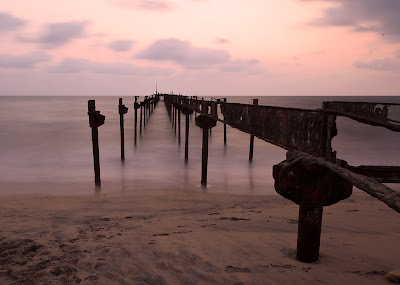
(59, 34)
(22, 61)
(398, 54)
(183, 53)
(8, 22)
(364, 15)
(250, 66)
(151, 5)
(385, 64)
(77, 65)
(222, 41)
(121, 45)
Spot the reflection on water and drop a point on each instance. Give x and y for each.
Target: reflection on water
(48, 139)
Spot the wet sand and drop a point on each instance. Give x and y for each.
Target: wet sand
(189, 237)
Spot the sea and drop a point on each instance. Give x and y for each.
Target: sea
(46, 148)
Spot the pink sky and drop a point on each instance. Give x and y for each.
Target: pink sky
(203, 47)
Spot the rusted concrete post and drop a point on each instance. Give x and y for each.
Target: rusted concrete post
(255, 102)
(311, 186)
(205, 122)
(187, 112)
(95, 120)
(136, 106)
(122, 109)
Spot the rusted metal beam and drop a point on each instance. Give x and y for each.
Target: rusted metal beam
(367, 184)
(371, 113)
(382, 174)
(289, 128)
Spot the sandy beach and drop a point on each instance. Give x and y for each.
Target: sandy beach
(186, 237)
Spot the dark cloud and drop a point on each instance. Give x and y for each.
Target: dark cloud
(380, 16)
(151, 5)
(8, 22)
(121, 45)
(22, 61)
(184, 53)
(76, 65)
(222, 41)
(384, 64)
(59, 34)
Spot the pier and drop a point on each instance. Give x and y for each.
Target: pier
(311, 176)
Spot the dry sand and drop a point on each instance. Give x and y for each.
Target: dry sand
(183, 237)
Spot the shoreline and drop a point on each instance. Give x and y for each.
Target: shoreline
(187, 237)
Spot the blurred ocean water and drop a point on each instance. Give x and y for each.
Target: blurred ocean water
(48, 140)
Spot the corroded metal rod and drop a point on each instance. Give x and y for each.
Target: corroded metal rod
(224, 127)
(144, 113)
(204, 158)
(96, 156)
(121, 128)
(141, 117)
(179, 127)
(95, 121)
(135, 106)
(187, 139)
(175, 115)
(309, 233)
(255, 102)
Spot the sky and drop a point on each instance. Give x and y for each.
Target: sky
(200, 47)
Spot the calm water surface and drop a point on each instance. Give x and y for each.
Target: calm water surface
(48, 140)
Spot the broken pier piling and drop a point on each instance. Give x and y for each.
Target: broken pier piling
(122, 109)
(136, 107)
(255, 102)
(95, 120)
(206, 122)
(311, 176)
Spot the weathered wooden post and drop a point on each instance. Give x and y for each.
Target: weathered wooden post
(205, 122)
(312, 186)
(122, 109)
(255, 102)
(95, 120)
(136, 106)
